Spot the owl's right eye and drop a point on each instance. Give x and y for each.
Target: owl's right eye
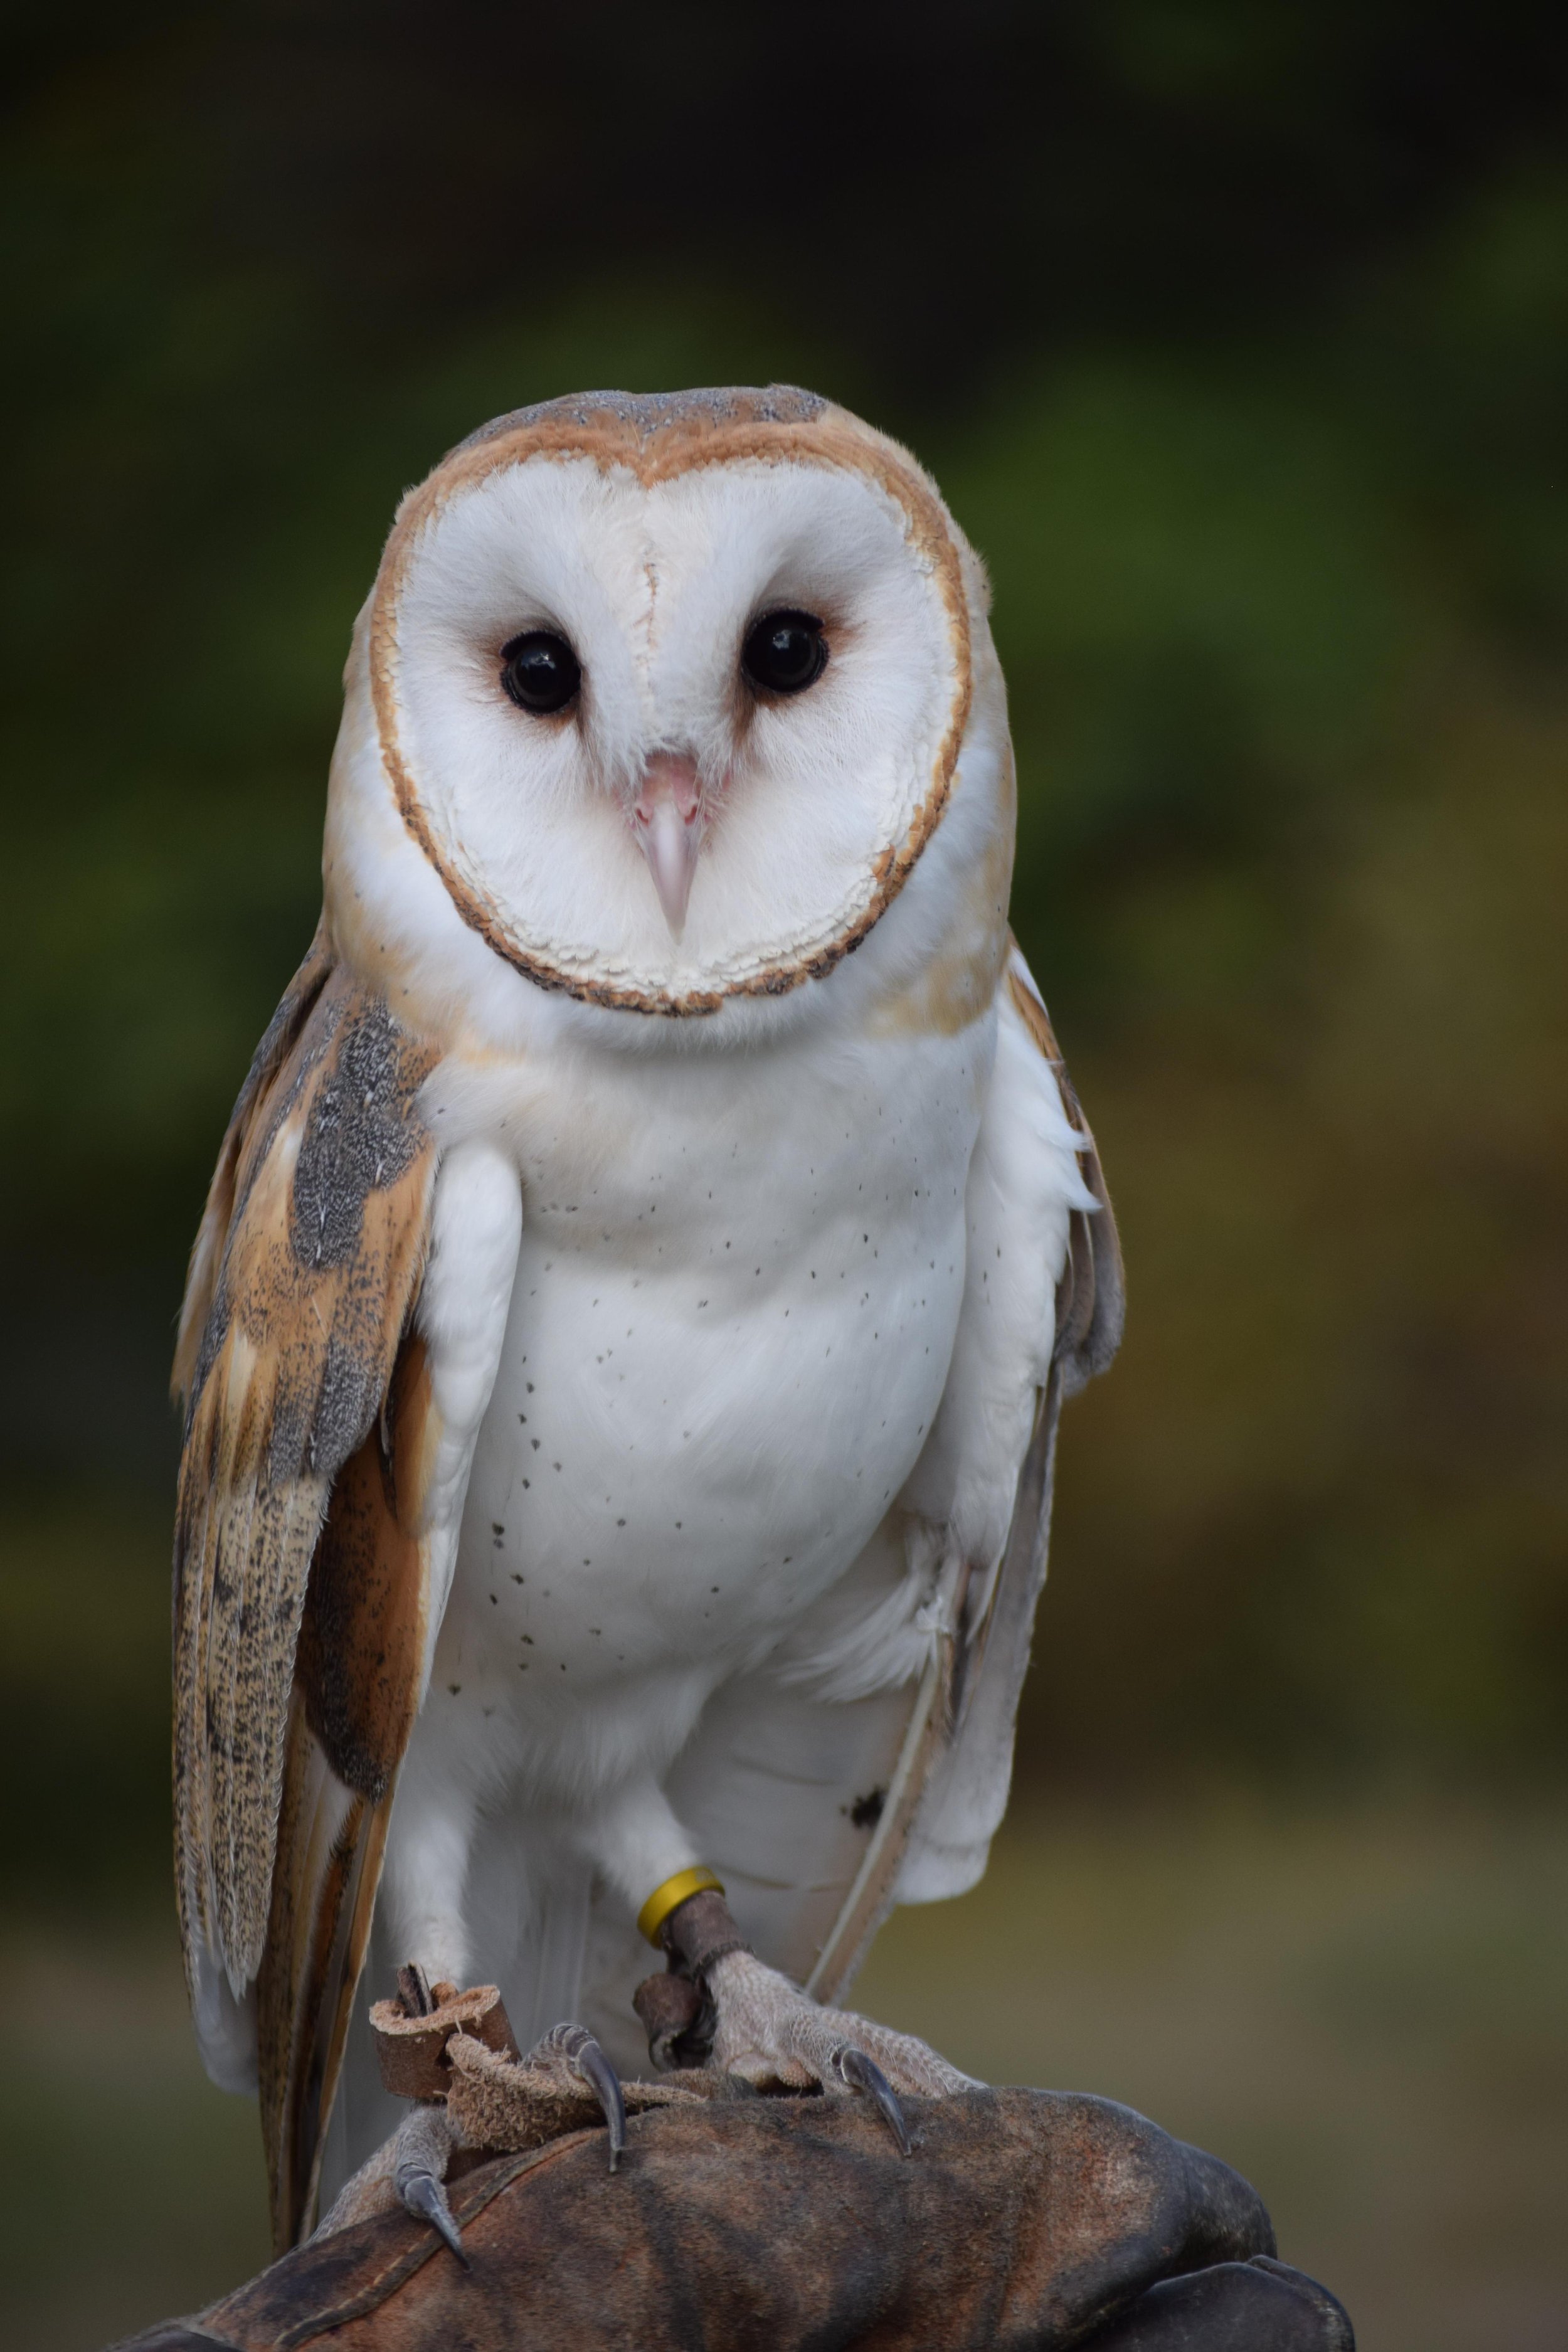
(539, 671)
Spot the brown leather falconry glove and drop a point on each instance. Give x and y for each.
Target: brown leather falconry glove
(1028, 2221)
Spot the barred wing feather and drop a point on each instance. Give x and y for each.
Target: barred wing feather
(299, 1574)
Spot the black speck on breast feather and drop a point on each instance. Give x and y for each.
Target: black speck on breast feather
(362, 1132)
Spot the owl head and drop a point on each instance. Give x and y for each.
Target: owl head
(668, 698)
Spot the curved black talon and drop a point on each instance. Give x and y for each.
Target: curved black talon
(590, 2061)
(863, 2073)
(423, 2194)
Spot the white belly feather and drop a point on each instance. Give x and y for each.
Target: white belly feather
(734, 1309)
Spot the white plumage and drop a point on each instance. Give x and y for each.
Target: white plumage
(746, 1220)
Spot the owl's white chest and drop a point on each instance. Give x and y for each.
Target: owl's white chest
(734, 1308)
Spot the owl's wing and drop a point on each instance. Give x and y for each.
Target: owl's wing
(1017, 1361)
(326, 1449)
(1043, 1313)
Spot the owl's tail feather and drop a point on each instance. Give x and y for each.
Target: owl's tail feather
(331, 1845)
(356, 1691)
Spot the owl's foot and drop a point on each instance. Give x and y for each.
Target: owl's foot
(565, 2083)
(454, 2053)
(493, 2101)
(719, 2003)
(771, 2033)
(409, 2170)
(431, 2039)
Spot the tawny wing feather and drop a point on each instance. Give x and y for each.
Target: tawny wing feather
(281, 1036)
(302, 1284)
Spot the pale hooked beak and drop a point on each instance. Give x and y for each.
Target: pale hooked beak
(667, 824)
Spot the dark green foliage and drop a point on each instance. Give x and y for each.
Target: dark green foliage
(1238, 338)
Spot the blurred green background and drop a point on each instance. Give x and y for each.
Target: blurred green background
(1238, 335)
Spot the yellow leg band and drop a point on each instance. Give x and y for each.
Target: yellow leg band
(672, 1894)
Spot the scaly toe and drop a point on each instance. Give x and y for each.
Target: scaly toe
(772, 2032)
(423, 2195)
(601, 2079)
(575, 2049)
(420, 2150)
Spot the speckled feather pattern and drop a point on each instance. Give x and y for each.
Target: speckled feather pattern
(318, 1270)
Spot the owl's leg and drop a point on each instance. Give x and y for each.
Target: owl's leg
(425, 1885)
(756, 2023)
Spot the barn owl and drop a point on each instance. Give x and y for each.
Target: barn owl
(623, 1346)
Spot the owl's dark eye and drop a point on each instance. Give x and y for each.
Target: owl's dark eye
(785, 653)
(539, 671)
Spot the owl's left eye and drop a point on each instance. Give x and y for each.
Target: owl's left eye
(785, 653)
(539, 671)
